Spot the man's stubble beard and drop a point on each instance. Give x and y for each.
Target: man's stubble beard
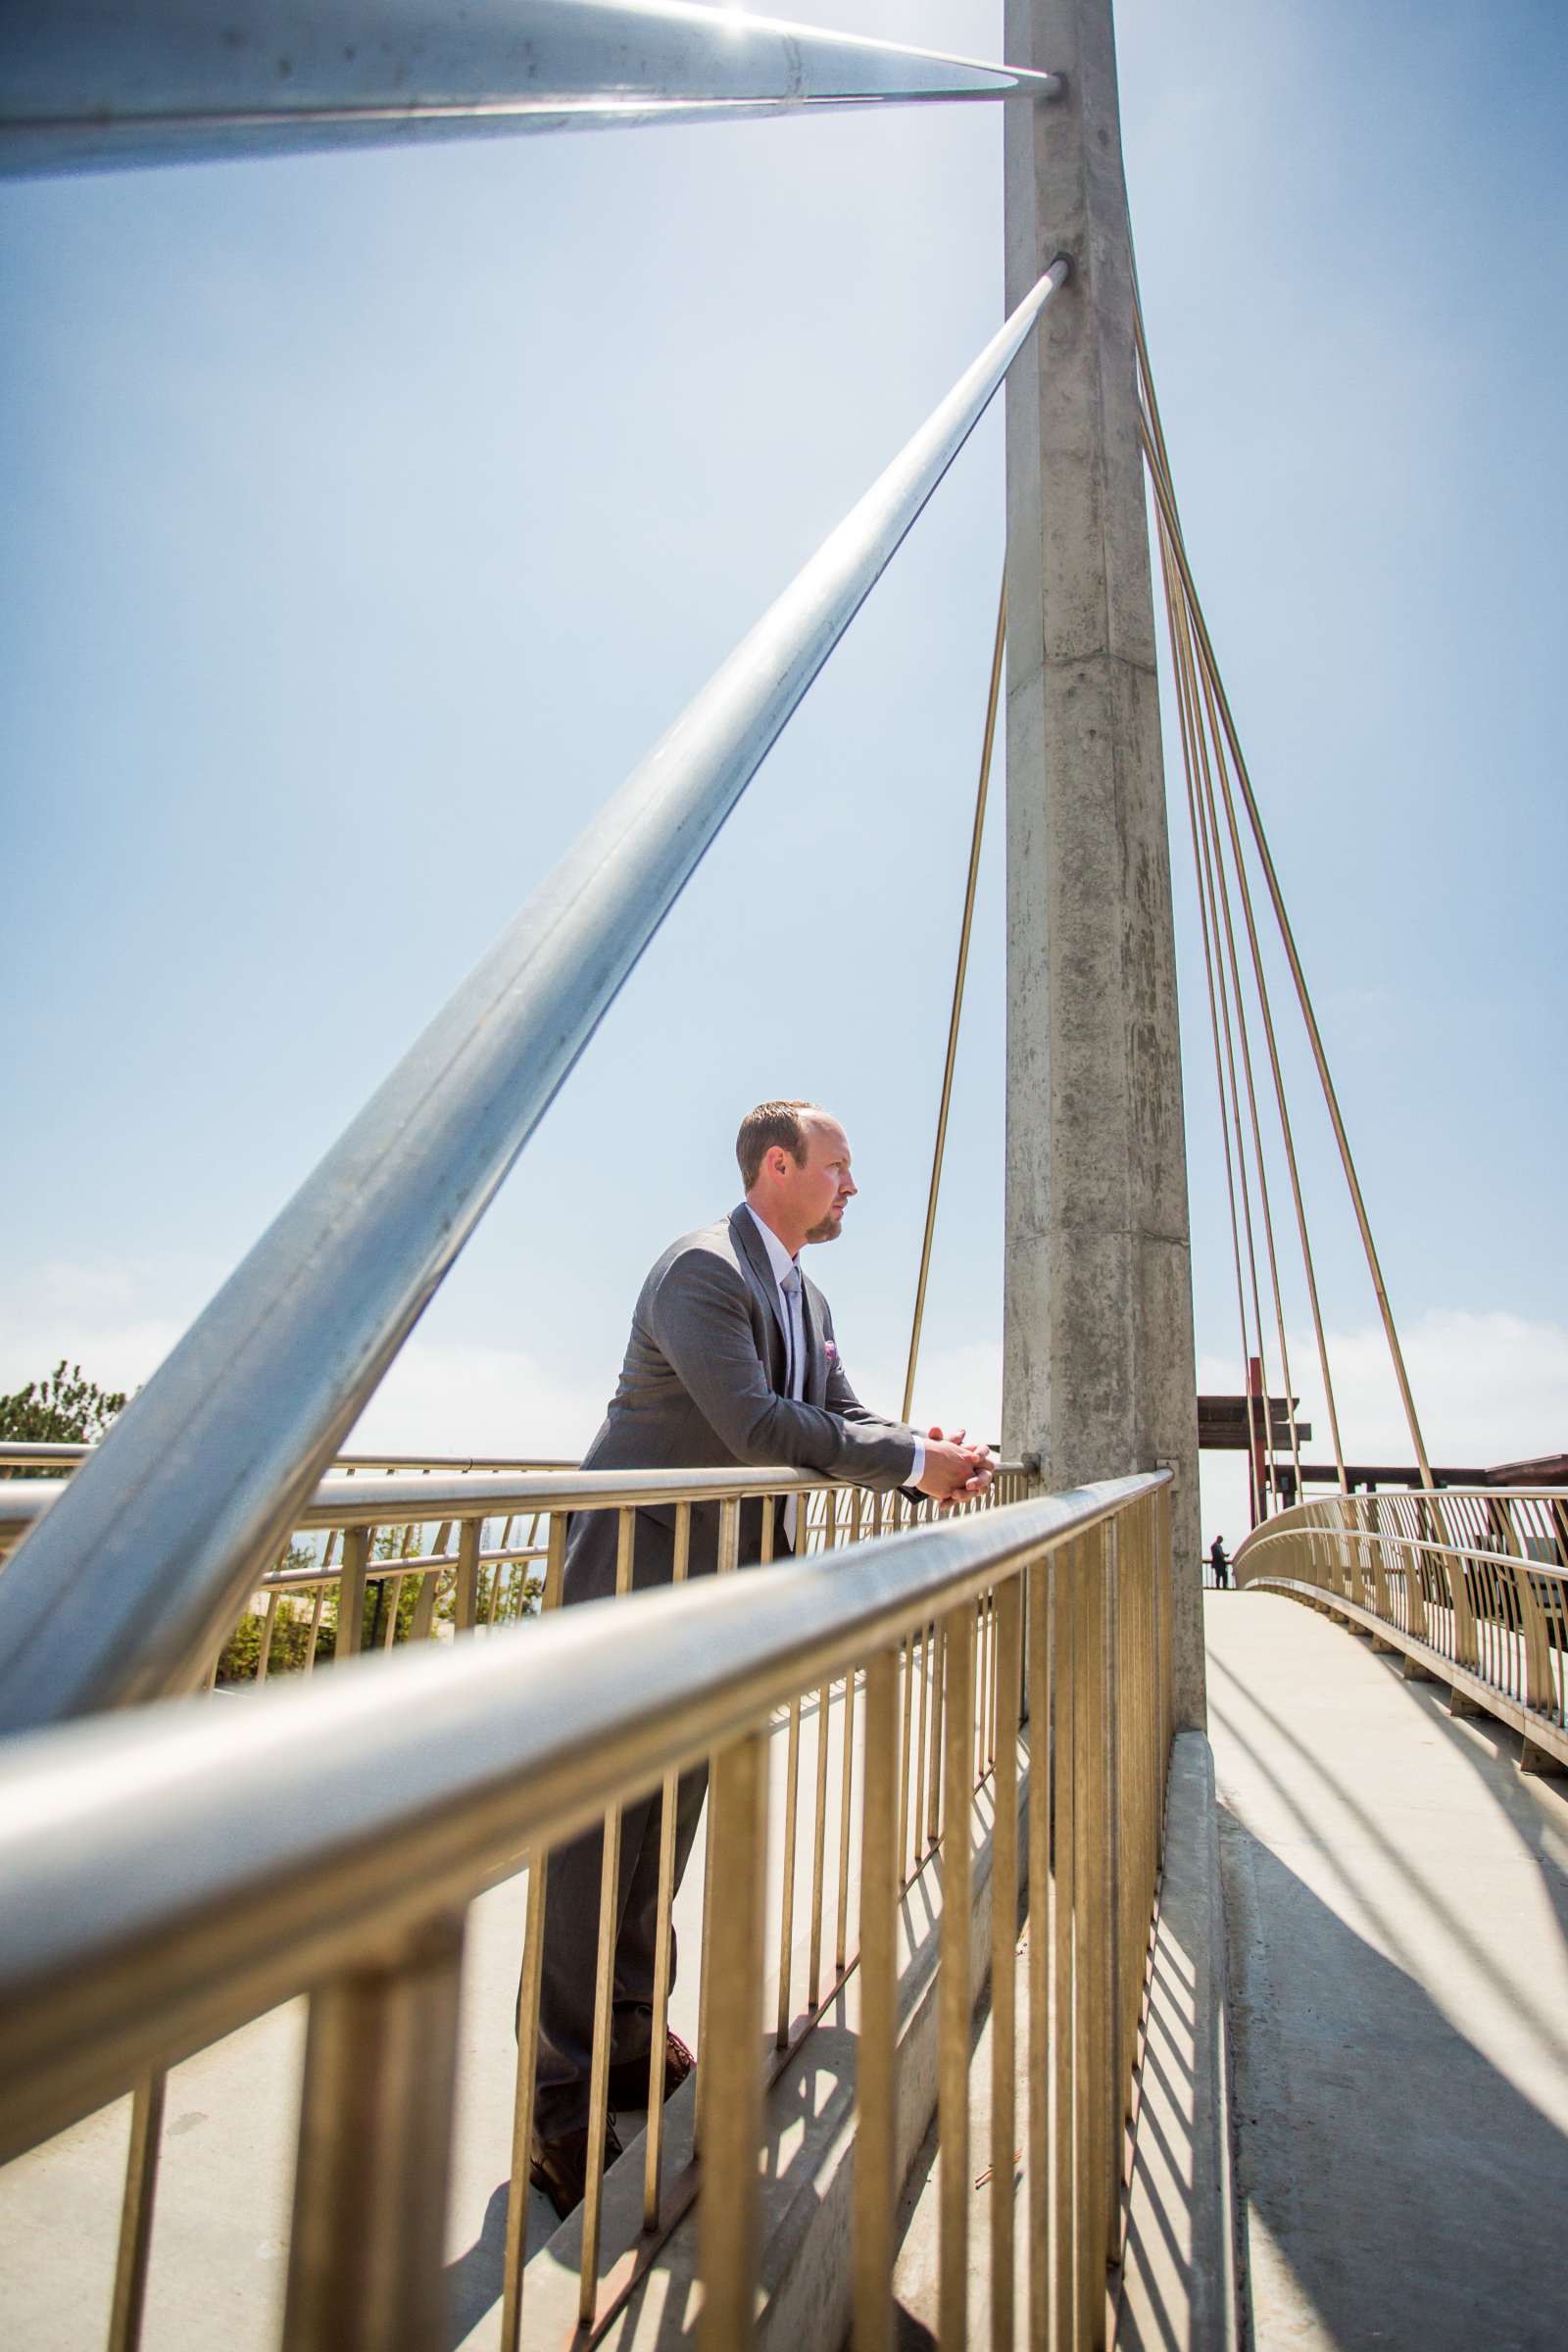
(829, 1229)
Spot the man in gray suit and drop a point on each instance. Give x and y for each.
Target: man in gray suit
(731, 1361)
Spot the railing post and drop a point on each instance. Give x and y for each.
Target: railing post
(1041, 1575)
(351, 1592)
(136, 2213)
(1065, 2179)
(1455, 1573)
(729, 2216)
(956, 2008)
(1415, 1583)
(876, 2080)
(1009, 1647)
(375, 2129)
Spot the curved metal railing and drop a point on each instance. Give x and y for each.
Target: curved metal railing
(1469, 1583)
(175, 1872)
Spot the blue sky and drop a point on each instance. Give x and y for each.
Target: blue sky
(366, 517)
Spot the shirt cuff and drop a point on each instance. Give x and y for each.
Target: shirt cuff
(917, 1466)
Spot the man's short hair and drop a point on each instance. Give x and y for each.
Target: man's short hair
(768, 1124)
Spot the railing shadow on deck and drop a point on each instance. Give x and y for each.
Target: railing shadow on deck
(1445, 2184)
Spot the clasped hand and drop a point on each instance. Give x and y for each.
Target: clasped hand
(954, 1471)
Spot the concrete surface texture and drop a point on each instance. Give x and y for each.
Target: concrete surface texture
(1396, 1901)
(1097, 1320)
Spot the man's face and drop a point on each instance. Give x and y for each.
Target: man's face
(825, 1185)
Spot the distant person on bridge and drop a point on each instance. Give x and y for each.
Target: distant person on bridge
(1220, 1564)
(732, 1361)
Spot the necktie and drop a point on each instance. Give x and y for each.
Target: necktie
(795, 1359)
(794, 1367)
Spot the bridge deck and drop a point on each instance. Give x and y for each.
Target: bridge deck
(1396, 1904)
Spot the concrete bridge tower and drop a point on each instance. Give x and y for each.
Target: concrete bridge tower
(1097, 1338)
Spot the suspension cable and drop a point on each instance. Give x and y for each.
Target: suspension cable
(1212, 883)
(1233, 963)
(1261, 984)
(1164, 493)
(1159, 455)
(957, 1015)
(1187, 765)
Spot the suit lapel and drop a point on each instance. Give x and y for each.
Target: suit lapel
(753, 1256)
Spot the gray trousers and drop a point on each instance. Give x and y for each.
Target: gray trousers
(572, 1882)
(573, 1873)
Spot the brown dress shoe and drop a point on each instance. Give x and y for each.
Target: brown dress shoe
(628, 2082)
(559, 2167)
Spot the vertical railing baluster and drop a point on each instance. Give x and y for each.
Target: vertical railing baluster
(955, 2013)
(906, 1759)
(523, 2104)
(876, 2082)
(813, 1973)
(922, 1742)
(316, 1628)
(935, 1800)
(604, 1995)
(728, 2220)
(1042, 2218)
(467, 1596)
(1088, 1943)
(1109, 1856)
(664, 1935)
(1003, 1961)
(1064, 2165)
(422, 1622)
(269, 1625)
(351, 1592)
(367, 2257)
(136, 2214)
(729, 1546)
(841, 1936)
(786, 1924)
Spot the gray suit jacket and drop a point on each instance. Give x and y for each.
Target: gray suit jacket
(702, 1387)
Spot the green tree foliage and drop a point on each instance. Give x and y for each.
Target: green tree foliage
(65, 1408)
(291, 1634)
(291, 1625)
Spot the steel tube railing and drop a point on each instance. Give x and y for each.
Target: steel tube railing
(381, 1541)
(391, 1499)
(199, 1479)
(1470, 1583)
(317, 1812)
(172, 1875)
(152, 81)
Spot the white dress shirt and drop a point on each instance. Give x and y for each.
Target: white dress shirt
(792, 1308)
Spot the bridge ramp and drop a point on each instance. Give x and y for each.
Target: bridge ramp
(1397, 1915)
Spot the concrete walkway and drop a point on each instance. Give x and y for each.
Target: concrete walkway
(1397, 1913)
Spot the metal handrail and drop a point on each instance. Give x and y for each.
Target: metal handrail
(391, 1499)
(390, 1532)
(172, 1874)
(90, 88)
(1448, 1578)
(199, 1479)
